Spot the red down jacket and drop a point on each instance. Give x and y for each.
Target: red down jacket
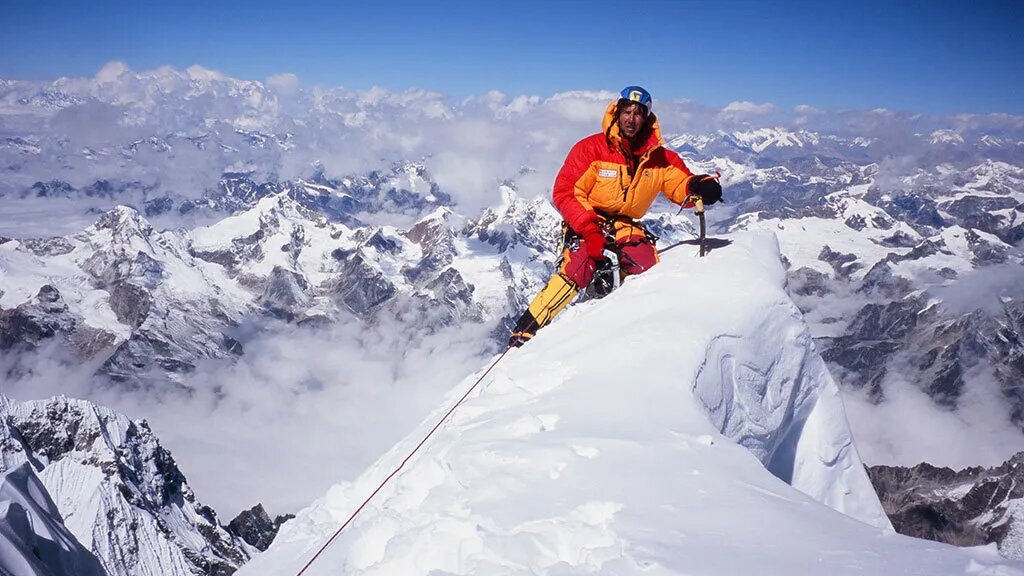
(600, 175)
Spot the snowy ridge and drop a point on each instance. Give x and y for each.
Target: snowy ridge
(119, 492)
(620, 441)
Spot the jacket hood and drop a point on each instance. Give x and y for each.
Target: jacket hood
(611, 130)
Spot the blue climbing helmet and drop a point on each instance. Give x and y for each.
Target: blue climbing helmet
(638, 95)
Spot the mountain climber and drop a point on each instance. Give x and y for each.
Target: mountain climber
(608, 181)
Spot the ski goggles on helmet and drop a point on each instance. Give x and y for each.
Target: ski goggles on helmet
(638, 95)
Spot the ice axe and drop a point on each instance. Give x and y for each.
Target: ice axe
(698, 209)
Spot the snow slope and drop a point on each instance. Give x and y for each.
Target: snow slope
(33, 539)
(118, 492)
(635, 435)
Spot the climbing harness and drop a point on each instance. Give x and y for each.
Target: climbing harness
(606, 277)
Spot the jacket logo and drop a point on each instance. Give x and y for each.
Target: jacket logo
(608, 173)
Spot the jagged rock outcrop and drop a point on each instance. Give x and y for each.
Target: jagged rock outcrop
(966, 507)
(842, 264)
(256, 527)
(30, 325)
(130, 303)
(941, 346)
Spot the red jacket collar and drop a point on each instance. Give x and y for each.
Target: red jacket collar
(611, 132)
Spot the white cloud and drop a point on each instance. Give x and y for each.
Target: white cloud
(471, 144)
(287, 83)
(805, 114)
(302, 410)
(518, 106)
(741, 114)
(984, 289)
(111, 72)
(908, 427)
(581, 106)
(748, 108)
(197, 72)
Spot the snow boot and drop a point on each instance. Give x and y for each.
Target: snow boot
(555, 296)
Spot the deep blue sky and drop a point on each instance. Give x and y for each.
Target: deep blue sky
(937, 56)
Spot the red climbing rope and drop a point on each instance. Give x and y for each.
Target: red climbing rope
(407, 458)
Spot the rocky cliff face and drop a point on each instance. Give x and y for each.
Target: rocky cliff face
(966, 507)
(44, 317)
(256, 528)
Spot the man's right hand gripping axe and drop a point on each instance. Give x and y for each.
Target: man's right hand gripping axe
(704, 189)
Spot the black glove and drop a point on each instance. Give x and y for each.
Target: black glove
(707, 187)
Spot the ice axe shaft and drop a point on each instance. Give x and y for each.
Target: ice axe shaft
(698, 209)
(703, 235)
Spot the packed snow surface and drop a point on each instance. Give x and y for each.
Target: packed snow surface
(682, 425)
(33, 539)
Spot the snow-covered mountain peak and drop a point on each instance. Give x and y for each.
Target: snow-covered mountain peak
(442, 221)
(64, 425)
(321, 189)
(695, 141)
(271, 215)
(713, 442)
(945, 137)
(535, 222)
(763, 138)
(122, 223)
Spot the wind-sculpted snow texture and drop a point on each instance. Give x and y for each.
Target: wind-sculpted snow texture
(118, 491)
(33, 538)
(638, 434)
